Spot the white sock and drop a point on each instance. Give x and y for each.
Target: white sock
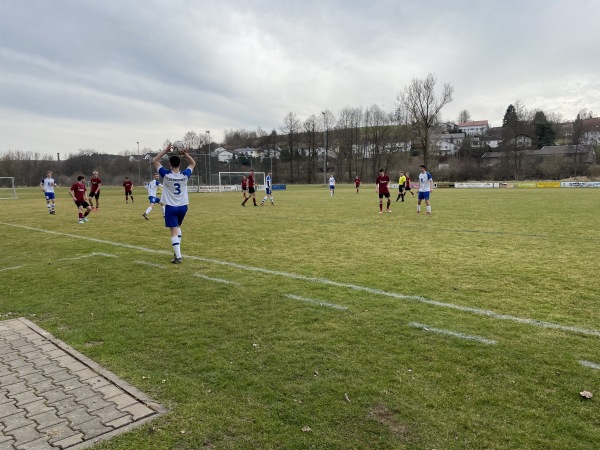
(418, 207)
(428, 209)
(176, 246)
(49, 206)
(148, 210)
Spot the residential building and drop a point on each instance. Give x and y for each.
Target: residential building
(475, 128)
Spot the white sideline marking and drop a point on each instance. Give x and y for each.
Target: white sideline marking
(108, 255)
(316, 302)
(453, 333)
(589, 364)
(325, 281)
(218, 280)
(146, 263)
(11, 268)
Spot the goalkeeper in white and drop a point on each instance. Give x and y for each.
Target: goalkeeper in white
(269, 190)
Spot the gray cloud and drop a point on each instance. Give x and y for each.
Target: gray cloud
(106, 74)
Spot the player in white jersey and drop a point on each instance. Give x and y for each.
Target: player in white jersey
(269, 190)
(174, 194)
(331, 185)
(152, 188)
(425, 187)
(47, 185)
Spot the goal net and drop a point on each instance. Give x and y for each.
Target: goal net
(7, 188)
(232, 181)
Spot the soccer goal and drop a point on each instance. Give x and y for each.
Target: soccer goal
(232, 181)
(7, 188)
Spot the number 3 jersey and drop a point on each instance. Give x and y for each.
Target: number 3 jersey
(175, 192)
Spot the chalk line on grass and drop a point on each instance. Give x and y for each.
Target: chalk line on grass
(108, 255)
(453, 333)
(589, 364)
(316, 302)
(325, 281)
(11, 268)
(150, 264)
(218, 280)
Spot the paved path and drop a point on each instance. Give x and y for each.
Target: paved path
(53, 397)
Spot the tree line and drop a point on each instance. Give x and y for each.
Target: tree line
(355, 142)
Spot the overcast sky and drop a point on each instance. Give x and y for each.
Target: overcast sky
(106, 74)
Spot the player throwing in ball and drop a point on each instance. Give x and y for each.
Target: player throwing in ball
(175, 193)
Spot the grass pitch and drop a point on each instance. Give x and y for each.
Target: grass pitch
(319, 323)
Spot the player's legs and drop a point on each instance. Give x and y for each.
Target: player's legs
(149, 208)
(427, 203)
(389, 201)
(80, 211)
(174, 216)
(420, 198)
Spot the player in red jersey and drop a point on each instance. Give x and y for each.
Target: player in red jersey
(357, 183)
(79, 194)
(251, 190)
(244, 187)
(407, 185)
(127, 188)
(381, 187)
(95, 185)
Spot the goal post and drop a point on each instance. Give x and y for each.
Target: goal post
(231, 181)
(8, 190)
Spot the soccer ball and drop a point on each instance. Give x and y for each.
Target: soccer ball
(179, 147)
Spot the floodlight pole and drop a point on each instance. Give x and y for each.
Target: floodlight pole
(139, 170)
(209, 174)
(325, 152)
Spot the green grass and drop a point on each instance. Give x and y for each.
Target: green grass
(245, 366)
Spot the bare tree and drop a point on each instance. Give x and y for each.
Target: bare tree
(311, 130)
(291, 128)
(464, 116)
(328, 121)
(192, 140)
(419, 105)
(377, 136)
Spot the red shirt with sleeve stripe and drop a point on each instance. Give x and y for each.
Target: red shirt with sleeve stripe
(79, 191)
(382, 184)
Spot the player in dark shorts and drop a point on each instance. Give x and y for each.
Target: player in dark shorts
(95, 185)
(78, 192)
(127, 187)
(244, 187)
(357, 184)
(251, 189)
(382, 188)
(407, 186)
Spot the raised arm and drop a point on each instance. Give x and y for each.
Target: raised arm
(190, 160)
(156, 161)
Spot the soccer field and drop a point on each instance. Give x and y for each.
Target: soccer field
(319, 323)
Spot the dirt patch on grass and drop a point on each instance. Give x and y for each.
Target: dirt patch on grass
(386, 417)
